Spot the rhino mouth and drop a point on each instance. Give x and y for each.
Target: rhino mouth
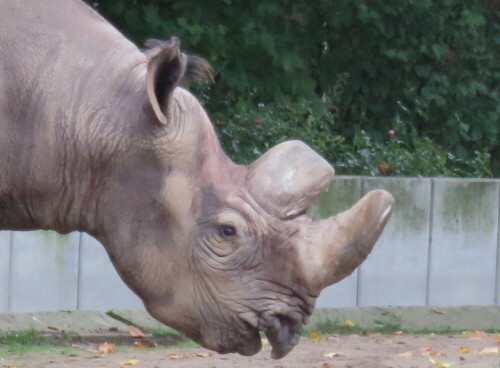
(282, 332)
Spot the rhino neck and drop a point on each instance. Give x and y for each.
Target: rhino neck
(63, 146)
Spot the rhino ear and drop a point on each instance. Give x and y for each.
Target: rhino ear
(166, 68)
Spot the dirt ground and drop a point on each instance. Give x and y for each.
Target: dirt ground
(354, 351)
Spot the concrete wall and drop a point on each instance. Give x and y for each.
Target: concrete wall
(441, 247)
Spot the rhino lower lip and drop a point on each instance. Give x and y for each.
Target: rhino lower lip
(283, 336)
(254, 345)
(249, 344)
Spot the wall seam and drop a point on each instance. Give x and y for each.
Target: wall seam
(358, 270)
(78, 276)
(496, 299)
(10, 272)
(429, 244)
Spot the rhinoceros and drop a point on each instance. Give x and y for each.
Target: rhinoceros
(97, 136)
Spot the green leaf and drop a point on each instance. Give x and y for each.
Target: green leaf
(117, 7)
(473, 19)
(151, 15)
(464, 127)
(132, 18)
(437, 50)
(268, 8)
(476, 134)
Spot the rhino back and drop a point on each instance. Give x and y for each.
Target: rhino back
(67, 79)
(50, 47)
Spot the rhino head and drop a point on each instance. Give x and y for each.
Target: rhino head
(221, 251)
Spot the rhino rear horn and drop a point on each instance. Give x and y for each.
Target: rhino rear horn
(288, 178)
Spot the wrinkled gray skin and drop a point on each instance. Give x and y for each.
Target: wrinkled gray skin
(96, 136)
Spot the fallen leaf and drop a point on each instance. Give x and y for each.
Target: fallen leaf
(441, 364)
(106, 348)
(494, 350)
(497, 337)
(426, 348)
(145, 344)
(326, 365)
(398, 333)
(478, 335)
(464, 350)
(332, 355)
(468, 332)
(52, 328)
(135, 332)
(203, 355)
(176, 356)
(130, 362)
(333, 338)
(348, 323)
(375, 334)
(430, 353)
(316, 337)
(408, 354)
(265, 342)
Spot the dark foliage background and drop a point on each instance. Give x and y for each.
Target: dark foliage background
(394, 87)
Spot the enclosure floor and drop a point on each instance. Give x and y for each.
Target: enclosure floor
(375, 351)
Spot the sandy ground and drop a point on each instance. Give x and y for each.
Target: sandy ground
(374, 351)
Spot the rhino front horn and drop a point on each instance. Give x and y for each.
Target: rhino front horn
(334, 247)
(288, 178)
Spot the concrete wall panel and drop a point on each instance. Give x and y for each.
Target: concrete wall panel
(497, 276)
(4, 270)
(100, 287)
(44, 273)
(464, 242)
(342, 194)
(395, 273)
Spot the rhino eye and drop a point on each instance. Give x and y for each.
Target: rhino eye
(227, 231)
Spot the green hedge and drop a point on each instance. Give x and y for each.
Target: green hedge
(249, 131)
(363, 66)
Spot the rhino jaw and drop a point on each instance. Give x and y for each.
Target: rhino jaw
(335, 247)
